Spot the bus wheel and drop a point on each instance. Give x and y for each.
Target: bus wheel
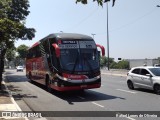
(48, 83)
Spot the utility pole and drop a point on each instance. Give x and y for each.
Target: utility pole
(107, 36)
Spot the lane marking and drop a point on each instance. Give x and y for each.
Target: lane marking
(98, 104)
(126, 91)
(81, 97)
(112, 110)
(130, 118)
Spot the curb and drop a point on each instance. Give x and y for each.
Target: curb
(11, 97)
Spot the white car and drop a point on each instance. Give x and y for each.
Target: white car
(19, 68)
(147, 77)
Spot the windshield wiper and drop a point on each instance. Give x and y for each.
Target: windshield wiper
(90, 67)
(76, 61)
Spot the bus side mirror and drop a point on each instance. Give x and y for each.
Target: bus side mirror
(102, 49)
(57, 50)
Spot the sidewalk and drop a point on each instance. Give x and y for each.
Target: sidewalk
(7, 102)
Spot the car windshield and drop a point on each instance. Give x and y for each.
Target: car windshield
(20, 67)
(79, 59)
(155, 71)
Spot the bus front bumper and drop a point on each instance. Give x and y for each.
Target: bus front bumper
(80, 87)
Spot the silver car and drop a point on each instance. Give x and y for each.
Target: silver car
(19, 68)
(147, 77)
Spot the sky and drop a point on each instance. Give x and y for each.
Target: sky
(134, 25)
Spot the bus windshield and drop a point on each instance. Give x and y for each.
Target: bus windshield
(79, 59)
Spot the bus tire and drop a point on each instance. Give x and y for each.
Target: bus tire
(47, 80)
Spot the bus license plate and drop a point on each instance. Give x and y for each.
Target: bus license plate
(83, 86)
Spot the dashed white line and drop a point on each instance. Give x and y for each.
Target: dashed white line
(130, 118)
(126, 91)
(98, 104)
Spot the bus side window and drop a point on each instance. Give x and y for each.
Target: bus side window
(37, 51)
(53, 54)
(46, 48)
(45, 45)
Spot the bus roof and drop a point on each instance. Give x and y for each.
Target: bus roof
(68, 36)
(34, 45)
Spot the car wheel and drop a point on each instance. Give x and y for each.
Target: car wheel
(157, 89)
(130, 85)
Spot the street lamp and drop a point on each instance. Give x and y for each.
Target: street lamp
(93, 35)
(107, 36)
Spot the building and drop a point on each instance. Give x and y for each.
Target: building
(141, 62)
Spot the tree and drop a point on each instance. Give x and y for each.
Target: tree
(114, 65)
(100, 2)
(123, 64)
(22, 51)
(13, 14)
(104, 61)
(10, 55)
(120, 65)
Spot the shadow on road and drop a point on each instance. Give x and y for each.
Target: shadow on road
(18, 79)
(10, 77)
(80, 96)
(17, 93)
(145, 90)
(85, 96)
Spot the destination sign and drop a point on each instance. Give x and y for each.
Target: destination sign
(68, 46)
(77, 44)
(87, 44)
(69, 42)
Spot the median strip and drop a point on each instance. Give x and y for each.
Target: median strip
(124, 75)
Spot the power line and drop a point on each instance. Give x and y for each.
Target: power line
(84, 19)
(130, 23)
(134, 21)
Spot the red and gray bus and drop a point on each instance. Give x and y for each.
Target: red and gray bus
(65, 61)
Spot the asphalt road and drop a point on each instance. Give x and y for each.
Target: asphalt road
(114, 95)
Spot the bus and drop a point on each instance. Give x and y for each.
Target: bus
(65, 62)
